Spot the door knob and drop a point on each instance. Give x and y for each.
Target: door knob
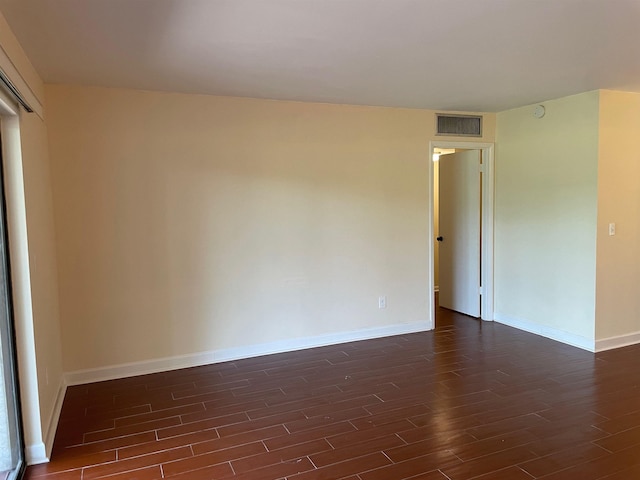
(439, 239)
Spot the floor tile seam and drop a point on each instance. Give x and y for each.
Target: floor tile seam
(328, 413)
(212, 418)
(165, 386)
(291, 461)
(56, 472)
(350, 459)
(387, 456)
(301, 398)
(301, 410)
(555, 472)
(612, 432)
(405, 461)
(192, 399)
(248, 421)
(80, 445)
(500, 470)
(120, 473)
(479, 458)
(497, 452)
(185, 424)
(227, 447)
(133, 424)
(213, 409)
(152, 412)
(323, 426)
(120, 462)
(455, 455)
(628, 448)
(616, 432)
(359, 399)
(104, 417)
(190, 433)
(246, 396)
(633, 412)
(400, 407)
(282, 372)
(521, 465)
(525, 472)
(511, 417)
(219, 383)
(328, 416)
(88, 467)
(594, 442)
(124, 436)
(244, 443)
(402, 440)
(209, 465)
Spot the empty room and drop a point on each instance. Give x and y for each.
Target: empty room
(319, 239)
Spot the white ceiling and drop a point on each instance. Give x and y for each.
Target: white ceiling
(474, 55)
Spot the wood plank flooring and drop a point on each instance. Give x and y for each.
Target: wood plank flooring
(470, 400)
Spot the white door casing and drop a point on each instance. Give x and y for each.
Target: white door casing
(487, 300)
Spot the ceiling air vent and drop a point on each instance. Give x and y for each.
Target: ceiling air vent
(459, 125)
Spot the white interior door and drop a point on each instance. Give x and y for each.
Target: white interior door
(459, 232)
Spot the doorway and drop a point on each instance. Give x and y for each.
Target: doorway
(486, 216)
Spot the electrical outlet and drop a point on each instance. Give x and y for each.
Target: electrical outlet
(382, 301)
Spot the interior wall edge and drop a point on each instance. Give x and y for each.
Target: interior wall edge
(81, 377)
(547, 332)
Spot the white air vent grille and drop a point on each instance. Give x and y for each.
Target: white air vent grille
(459, 125)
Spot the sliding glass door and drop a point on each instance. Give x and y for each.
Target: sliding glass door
(11, 445)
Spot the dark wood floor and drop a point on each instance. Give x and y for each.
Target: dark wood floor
(470, 400)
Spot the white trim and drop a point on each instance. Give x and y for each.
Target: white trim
(36, 453)
(488, 210)
(617, 341)
(80, 377)
(21, 288)
(548, 332)
(54, 418)
(431, 280)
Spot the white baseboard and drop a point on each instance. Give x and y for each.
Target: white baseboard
(54, 418)
(79, 377)
(548, 332)
(36, 453)
(618, 341)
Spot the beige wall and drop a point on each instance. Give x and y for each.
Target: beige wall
(618, 261)
(196, 223)
(546, 199)
(44, 348)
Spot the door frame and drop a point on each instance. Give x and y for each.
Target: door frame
(487, 230)
(34, 448)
